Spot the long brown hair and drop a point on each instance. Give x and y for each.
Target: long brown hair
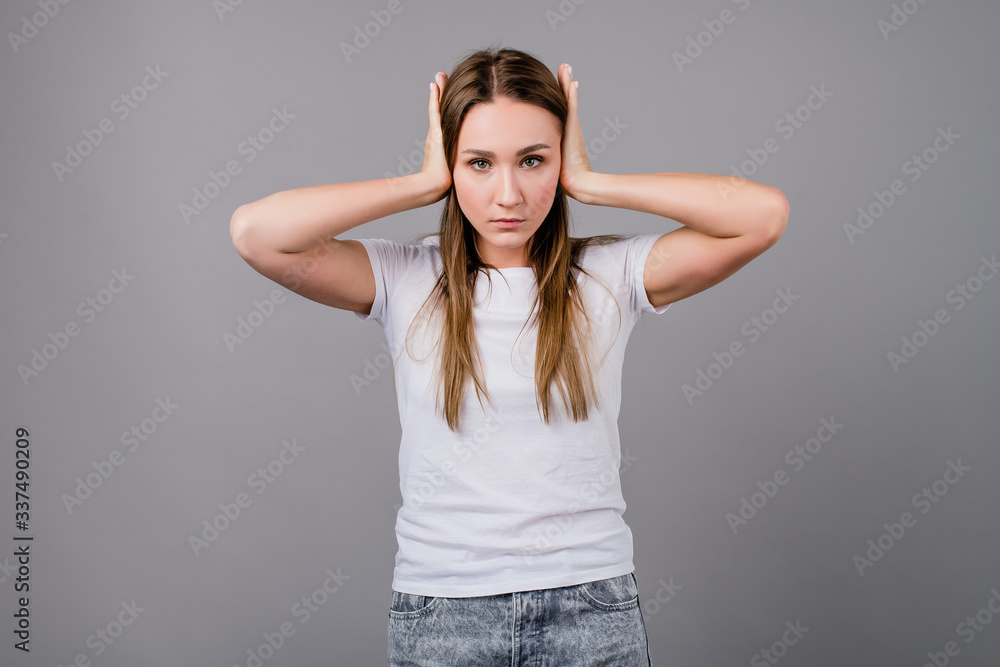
(561, 352)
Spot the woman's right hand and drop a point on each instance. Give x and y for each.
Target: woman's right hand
(435, 165)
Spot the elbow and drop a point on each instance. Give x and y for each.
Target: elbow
(777, 217)
(239, 226)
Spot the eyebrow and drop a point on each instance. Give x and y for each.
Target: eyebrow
(491, 154)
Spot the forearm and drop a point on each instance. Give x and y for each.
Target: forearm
(704, 202)
(296, 220)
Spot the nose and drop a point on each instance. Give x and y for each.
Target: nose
(508, 190)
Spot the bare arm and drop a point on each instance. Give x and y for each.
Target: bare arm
(725, 225)
(290, 236)
(293, 221)
(721, 233)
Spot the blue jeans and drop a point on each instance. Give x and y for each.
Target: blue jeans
(595, 623)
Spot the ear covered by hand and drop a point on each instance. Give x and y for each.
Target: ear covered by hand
(575, 165)
(435, 164)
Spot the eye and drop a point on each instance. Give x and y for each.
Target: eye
(534, 159)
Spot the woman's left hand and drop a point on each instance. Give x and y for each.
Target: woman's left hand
(575, 166)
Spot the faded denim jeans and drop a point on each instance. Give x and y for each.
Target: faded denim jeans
(595, 623)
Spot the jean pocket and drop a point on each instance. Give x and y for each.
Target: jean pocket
(410, 605)
(612, 594)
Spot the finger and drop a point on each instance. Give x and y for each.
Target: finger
(442, 80)
(435, 97)
(569, 86)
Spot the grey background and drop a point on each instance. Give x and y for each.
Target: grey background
(333, 507)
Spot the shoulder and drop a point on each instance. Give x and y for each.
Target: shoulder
(423, 251)
(614, 253)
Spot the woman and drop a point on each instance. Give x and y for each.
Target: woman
(511, 538)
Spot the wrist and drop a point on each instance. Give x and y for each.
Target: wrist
(588, 187)
(420, 189)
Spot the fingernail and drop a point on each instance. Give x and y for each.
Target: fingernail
(571, 71)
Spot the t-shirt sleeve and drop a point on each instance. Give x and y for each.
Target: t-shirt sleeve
(636, 250)
(389, 262)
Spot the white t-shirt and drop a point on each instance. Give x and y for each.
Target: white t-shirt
(507, 503)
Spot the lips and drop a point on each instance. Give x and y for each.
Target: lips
(508, 223)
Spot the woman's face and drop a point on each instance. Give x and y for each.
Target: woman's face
(507, 166)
